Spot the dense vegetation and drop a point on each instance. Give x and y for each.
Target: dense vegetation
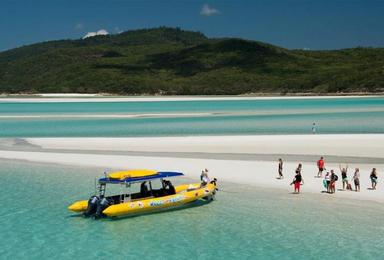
(173, 61)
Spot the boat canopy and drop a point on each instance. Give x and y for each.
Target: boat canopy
(132, 176)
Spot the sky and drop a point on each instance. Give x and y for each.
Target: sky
(293, 24)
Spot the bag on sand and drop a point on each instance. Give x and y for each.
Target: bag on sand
(349, 186)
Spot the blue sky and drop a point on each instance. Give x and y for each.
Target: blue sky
(321, 24)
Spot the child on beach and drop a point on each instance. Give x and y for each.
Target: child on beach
(344, 176)
(320, 165)
(297, 181)
(280, 169)
(373, 177)
(356, 179)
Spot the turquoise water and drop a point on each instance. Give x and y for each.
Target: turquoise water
(221, 117)
(251, 224)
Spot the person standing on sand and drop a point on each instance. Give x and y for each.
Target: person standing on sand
(280, 170)
(344, 177)
(332, 184)
(356, 179)
(327, 181)
(314, 128)
(320, 165)
(204, 177)
(373, 177)
(297, 181)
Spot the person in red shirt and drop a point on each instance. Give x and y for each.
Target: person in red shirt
(320, 165)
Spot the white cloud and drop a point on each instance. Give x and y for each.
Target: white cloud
(99, 32)
(207, 10)
(102, 32)
(79, 26)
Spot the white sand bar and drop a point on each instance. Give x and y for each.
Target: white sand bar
(258, 173)
(95, 152)
(359, 145)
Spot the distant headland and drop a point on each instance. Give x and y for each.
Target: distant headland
(172, 61)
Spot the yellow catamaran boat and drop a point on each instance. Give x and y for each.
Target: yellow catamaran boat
(146, 197)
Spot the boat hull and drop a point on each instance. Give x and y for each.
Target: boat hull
(185, 194)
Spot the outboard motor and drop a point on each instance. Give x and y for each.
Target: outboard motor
(92, 206)
(102, 205)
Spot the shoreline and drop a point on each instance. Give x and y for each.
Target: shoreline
(235, 172)
(115, 98)
(257, 168)
(229, 186)
(341, 145)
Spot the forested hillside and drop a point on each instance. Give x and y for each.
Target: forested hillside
(173, 61)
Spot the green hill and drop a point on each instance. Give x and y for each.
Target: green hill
(173, 61)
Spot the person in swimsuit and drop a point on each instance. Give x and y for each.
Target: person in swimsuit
(332, 183)
(344, 176)
(280, 170)
(327, 180)
(297, 181)
(356, 179)
(320, 165)
(373, 177)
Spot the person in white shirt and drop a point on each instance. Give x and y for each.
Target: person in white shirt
(327, 180)
(204, 177)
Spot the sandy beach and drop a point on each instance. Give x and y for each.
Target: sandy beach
(234, 159)
(49, 98)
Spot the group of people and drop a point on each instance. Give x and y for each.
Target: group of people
(297, 180)
(330, 177)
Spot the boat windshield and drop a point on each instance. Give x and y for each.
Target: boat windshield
(124, 192)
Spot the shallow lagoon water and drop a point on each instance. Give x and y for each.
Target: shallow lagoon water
(252, 224)
(170, 118)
